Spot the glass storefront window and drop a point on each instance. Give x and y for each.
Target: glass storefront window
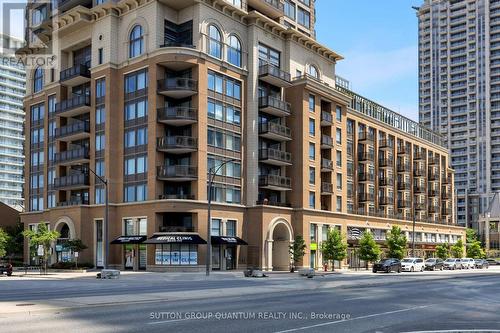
(176, 254)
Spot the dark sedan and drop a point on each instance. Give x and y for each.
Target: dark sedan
(481, 263)
(6, 269)
(434, 264)
(387, 265)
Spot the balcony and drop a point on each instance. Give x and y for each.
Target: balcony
(386, 182)
(433, 175)
(434, 160)
(267, 202)
(73, 107)
(326, 142)
(72, 132)
(365, 137)
(275, 157)
(177, 173)
(73, 202)
(176, 197)
(365, 197)
(445, 193)
(404, 167)
(326, 165)
(419, 172)
(274, 106)
(404, 186)
(446, 179)
(385, 144)
(366, 177)
(177, 144)
(274, 75)
(404, 203)
(446, 210)
(419, 206)
(177, 116)
(385, 162)
(72, 182)
(275, 182)
(75, 75)
(365, 156)
(275, 131)
(326, 118)
(326, 188)
(272, 8)
(177, 88)
(433, 208)
(433, 192)
(419, 188)
(402, 150)
(418, 156)
(73, 156)
(386, 201)
(65, 5)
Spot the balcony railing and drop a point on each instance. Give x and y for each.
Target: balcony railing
(275, 130)
(75, 71)
(326, 188)
(385, 162)
(73, 202)
(404, 186)
(275, 105)
(386, 201)
(404, 203)
(386, 181)
(179, 87)
(326, 141)
(419, 188)
(386, 144)
(72, 103)
(72, 155)
(364, 197)
(176, 196)
(365, 156)
(433, 192)
(177, 171)
(178, 114)
(275, 155)
(326, 164)
(403, 167)
(78, 180)
(72, 129)
(366, 176)
(275, 181)
(183, 143)
(274, 72)
(365, 136)
(326, 118)
(419, 172)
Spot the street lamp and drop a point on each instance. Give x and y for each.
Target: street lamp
(106, 219)
(414, 221)
(212, 172)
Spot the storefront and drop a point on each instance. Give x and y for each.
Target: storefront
(134, 251)
(176, 250)
(224, 252)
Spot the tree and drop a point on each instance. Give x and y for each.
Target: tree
(457, 250)
(42, 236)
(334, 248)
(15, 243)
(369, 250)
(470, 235)
(443, 251)
(297, 251)
(75, 245)
(396, 242)
(474, 250)
(4, 239)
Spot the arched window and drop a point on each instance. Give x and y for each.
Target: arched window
(136, 40)
(214, 42)
(313, 71)
(234, 51)
(38, 80)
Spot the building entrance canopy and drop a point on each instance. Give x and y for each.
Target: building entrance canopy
(228, 240)
(175, 238)
(129, 240)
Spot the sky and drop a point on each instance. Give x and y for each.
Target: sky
(379, 43)
(15, 18)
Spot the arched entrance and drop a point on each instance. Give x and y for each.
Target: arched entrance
(279, 238)
(66, 230)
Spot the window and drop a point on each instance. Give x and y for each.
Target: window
(234, 51)
(338, 113)
(339, 181)
(224, 85)
(38, 80)
(37, 112)
(51, 200)
(214, 42)
(303, 17)
(136, 137)
(231, 228)
(268, 55)
(176, 254)
(136, 81)
(230, 169)
(100, 114)
(312, 200)
(136, 46)
(99, 168)
(136, 109)
(136, 165)
(339, 158)
(223, 112)
(135, 192)
(313, 71)
(100, 88)
(339, 204)
(227, 140)
(312, 151)
(311, 103)
(215, 227)
(298, 73)
(312, 127)
(312, 175)
(290, 9)
(338, 135)
(100, 195)
(100, 56)
(99, 142)
(51, 104)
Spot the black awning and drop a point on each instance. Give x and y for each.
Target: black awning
(228, 240)
(129, 240)
(175, 238)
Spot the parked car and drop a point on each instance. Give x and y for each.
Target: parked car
(481, 263)
(492, 261)
(6, 269)
(452, 264)
(387, 265)
(412, 265)
(433, 264)
(467, 263)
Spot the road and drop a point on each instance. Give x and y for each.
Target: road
(349, 303)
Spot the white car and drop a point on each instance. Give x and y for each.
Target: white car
(467, 263)
(412, 265)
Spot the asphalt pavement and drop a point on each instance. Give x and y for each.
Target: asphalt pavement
(404, 302)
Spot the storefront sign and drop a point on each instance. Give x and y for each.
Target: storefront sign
(313, 246)
(129, 240)
(59, 247)
(175, 239)
(231, 240)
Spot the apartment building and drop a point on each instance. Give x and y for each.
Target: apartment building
(12, 91)
(151, 95)
(459, 87)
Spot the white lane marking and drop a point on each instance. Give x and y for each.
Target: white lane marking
(167, 321)
(455, 331)
(352, 319)
(355, 298)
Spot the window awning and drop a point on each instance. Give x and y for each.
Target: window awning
(228, 240)
(129, 240)
(175, 238)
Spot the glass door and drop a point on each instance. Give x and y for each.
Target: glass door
(142, 256)
(99, 259)
(216, 257)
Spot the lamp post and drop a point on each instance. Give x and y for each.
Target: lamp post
(211, 175)
(106, 219)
